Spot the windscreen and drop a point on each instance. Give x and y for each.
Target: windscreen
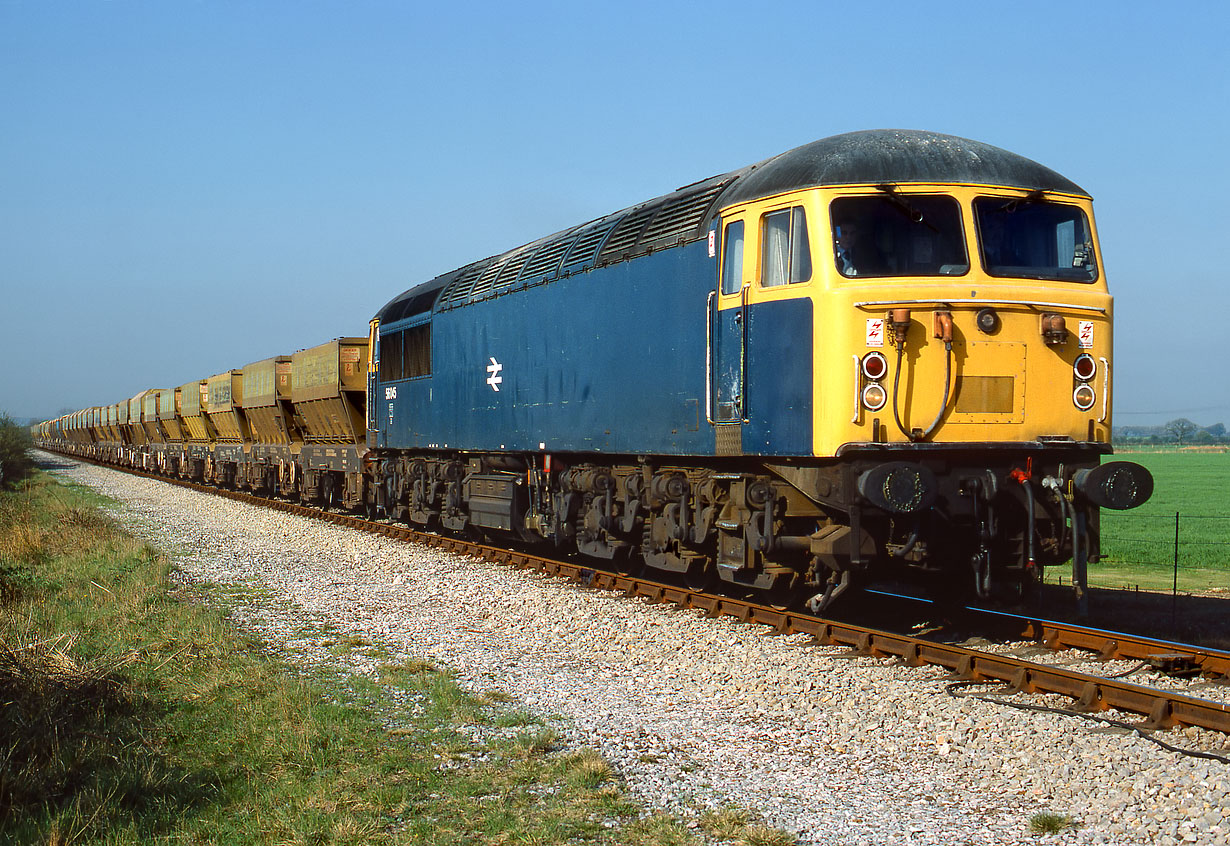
(893, 234)
(1034, 239)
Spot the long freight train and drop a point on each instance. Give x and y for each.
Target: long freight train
(885, 351)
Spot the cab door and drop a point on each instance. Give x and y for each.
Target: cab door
(761, 330)
(728, 319)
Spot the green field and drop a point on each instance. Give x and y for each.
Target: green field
(1139, 545)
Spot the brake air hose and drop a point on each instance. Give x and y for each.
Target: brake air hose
(943, 405)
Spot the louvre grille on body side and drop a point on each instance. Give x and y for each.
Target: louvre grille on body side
(679, 218)
(511, 270)
(626, 235)
(546, 261)
(456, 292)
(586, 246)
(486, 281)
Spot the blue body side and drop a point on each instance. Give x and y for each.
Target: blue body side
(610, 361)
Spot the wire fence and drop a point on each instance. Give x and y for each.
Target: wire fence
(1181, 552)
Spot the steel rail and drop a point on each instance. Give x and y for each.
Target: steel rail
(1161, 708)
(1110, 645)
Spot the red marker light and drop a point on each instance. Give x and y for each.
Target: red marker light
(875, 365)
(1084, 367)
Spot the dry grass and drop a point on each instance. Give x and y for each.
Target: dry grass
(727, 823)
(1047, 822)
(537, 744)
(658, 830)
(413, 667)
(736, 825)
(58, 719)
(764, 835)
(22, 542)
(587, 768)
(497, 696)
(80, 517)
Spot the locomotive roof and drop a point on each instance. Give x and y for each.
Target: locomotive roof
(894, 156)
(877, 156)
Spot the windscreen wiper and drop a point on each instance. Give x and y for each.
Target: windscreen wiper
(1029, 199)
(905, 207)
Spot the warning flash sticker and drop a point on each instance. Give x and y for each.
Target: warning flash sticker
(875, 331)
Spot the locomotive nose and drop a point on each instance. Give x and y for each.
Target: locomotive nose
(1117, 484)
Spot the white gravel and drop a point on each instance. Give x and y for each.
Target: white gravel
(695, 713)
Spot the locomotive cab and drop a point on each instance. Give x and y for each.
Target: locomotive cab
(948, 345)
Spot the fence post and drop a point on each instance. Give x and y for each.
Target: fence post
(1174, 591)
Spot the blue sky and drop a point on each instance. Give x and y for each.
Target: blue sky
(187, 187)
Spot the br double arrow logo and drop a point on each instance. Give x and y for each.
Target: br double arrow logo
(495, 378)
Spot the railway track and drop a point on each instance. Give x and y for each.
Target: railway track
(1088, 692)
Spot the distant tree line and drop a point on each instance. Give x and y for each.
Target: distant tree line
(1180, 432)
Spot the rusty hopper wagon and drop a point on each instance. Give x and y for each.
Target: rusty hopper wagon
(111, 433)
(149, 417)
(136, 432)
(153, 432)
(198, 440)
(123, 436)
(328, 390)
(224, 408)
(173, 433)
(276, 442)
(94, 424)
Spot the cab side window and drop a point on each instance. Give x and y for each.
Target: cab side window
(391, 357)
(406, 354)
(417, 361)
(785, 250)
(732, 258)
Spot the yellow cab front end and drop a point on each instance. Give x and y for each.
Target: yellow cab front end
(962, 371)
(944, 336)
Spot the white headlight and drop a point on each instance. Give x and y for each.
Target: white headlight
(1084, 397)
(874, 397)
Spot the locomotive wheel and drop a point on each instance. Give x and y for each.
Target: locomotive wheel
(782, 596)
(628, 562)
(701, 576)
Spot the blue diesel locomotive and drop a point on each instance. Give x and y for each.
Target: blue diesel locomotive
(701, 383)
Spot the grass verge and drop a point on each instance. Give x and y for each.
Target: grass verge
(1139, 545)
(133, 714)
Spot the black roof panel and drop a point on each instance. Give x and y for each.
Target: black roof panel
(895, 156)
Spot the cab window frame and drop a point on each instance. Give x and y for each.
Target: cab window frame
(734, 245)
(996, 271)
(902, 201)
(799, 266)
